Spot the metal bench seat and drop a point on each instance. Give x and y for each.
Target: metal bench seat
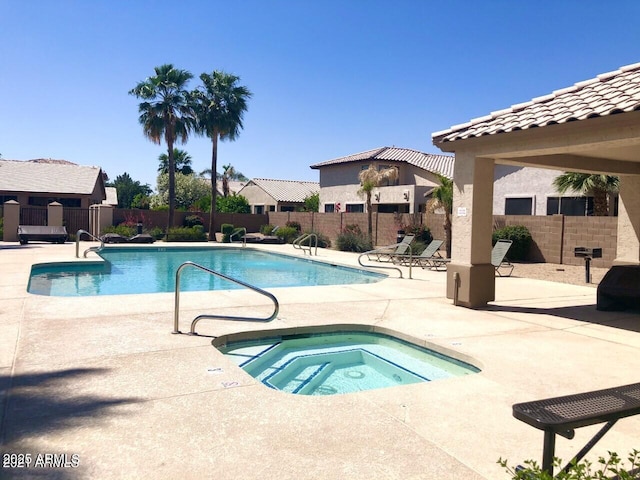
(41, 233)
(561, 415)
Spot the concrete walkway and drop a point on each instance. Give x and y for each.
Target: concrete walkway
(104, 379)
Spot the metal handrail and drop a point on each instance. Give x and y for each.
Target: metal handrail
(237, 231)
(381, 266)
(176, 311)
(297, 243)
(90, 249)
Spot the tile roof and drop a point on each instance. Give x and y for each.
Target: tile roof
(607, 94)
(47, 177)
(287, 190)
(442, 164)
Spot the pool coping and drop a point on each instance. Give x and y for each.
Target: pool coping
(105, 379)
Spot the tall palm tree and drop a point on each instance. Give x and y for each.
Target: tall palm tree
(220, 106)
(600, 186)
(182, 161)
(442, 198)
(370, 179)
(166, 113)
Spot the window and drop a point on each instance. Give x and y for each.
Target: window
(272, 208)
(65, 202)
(6, 198)
(570, 206)
(329, 207)
(287, 208)
(355, 207)
(518, 206)
(388, 208)
(259, 209)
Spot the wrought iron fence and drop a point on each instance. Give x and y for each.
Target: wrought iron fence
(75, 219)
(33, 215)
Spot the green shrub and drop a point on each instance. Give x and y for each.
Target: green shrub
(294, 224)
(520, 237)
(157, 233)
(611, 468)
(187, 234)
(227, 230)
(422, 233)
(266, 229)
(192, 220)
(288, 234)
(353, 240)
(121, 229)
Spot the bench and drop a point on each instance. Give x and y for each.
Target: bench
(561, 415)
(41, 233)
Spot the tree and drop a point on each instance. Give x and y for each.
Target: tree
(600, 186)
(228, 173)
(220, 107)
(312, 203)
(166, 113)
(233, 204)
(189, 189)
(182, 161)
(442, 198)
(128, 190)
(370, 179)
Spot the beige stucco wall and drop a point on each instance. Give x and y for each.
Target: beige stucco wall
(256, 196)
(520, 182)
(340, 184)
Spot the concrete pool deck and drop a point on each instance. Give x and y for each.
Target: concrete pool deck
(103, 378)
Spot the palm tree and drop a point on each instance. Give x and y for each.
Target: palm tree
(600, 186)
(220, 107)
(166, 113)
(228, 173)
(442, 198)
(370, 179)
(182, 162)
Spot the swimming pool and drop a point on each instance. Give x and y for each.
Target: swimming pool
(127, 270)
(328, 363)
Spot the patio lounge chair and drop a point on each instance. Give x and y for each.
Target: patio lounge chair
(429, 258)
(499, 257)
(41, 233)
(386, 254)
(116, 238)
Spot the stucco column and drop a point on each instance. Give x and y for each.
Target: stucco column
(100, 217)
(54, 214)
(11, 214)
(628, 247)
(470, 270)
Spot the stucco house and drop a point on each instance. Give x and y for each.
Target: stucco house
(42, 181)
(417, 177)
(268, 195)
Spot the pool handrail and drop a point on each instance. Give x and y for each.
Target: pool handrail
(236, 232)
(297, 243)
(176, 312)
(380, 266)
(90, 249)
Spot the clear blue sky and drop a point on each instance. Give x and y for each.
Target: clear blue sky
(329, 78)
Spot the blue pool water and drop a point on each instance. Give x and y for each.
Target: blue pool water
(333, 363)
(152, 269)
